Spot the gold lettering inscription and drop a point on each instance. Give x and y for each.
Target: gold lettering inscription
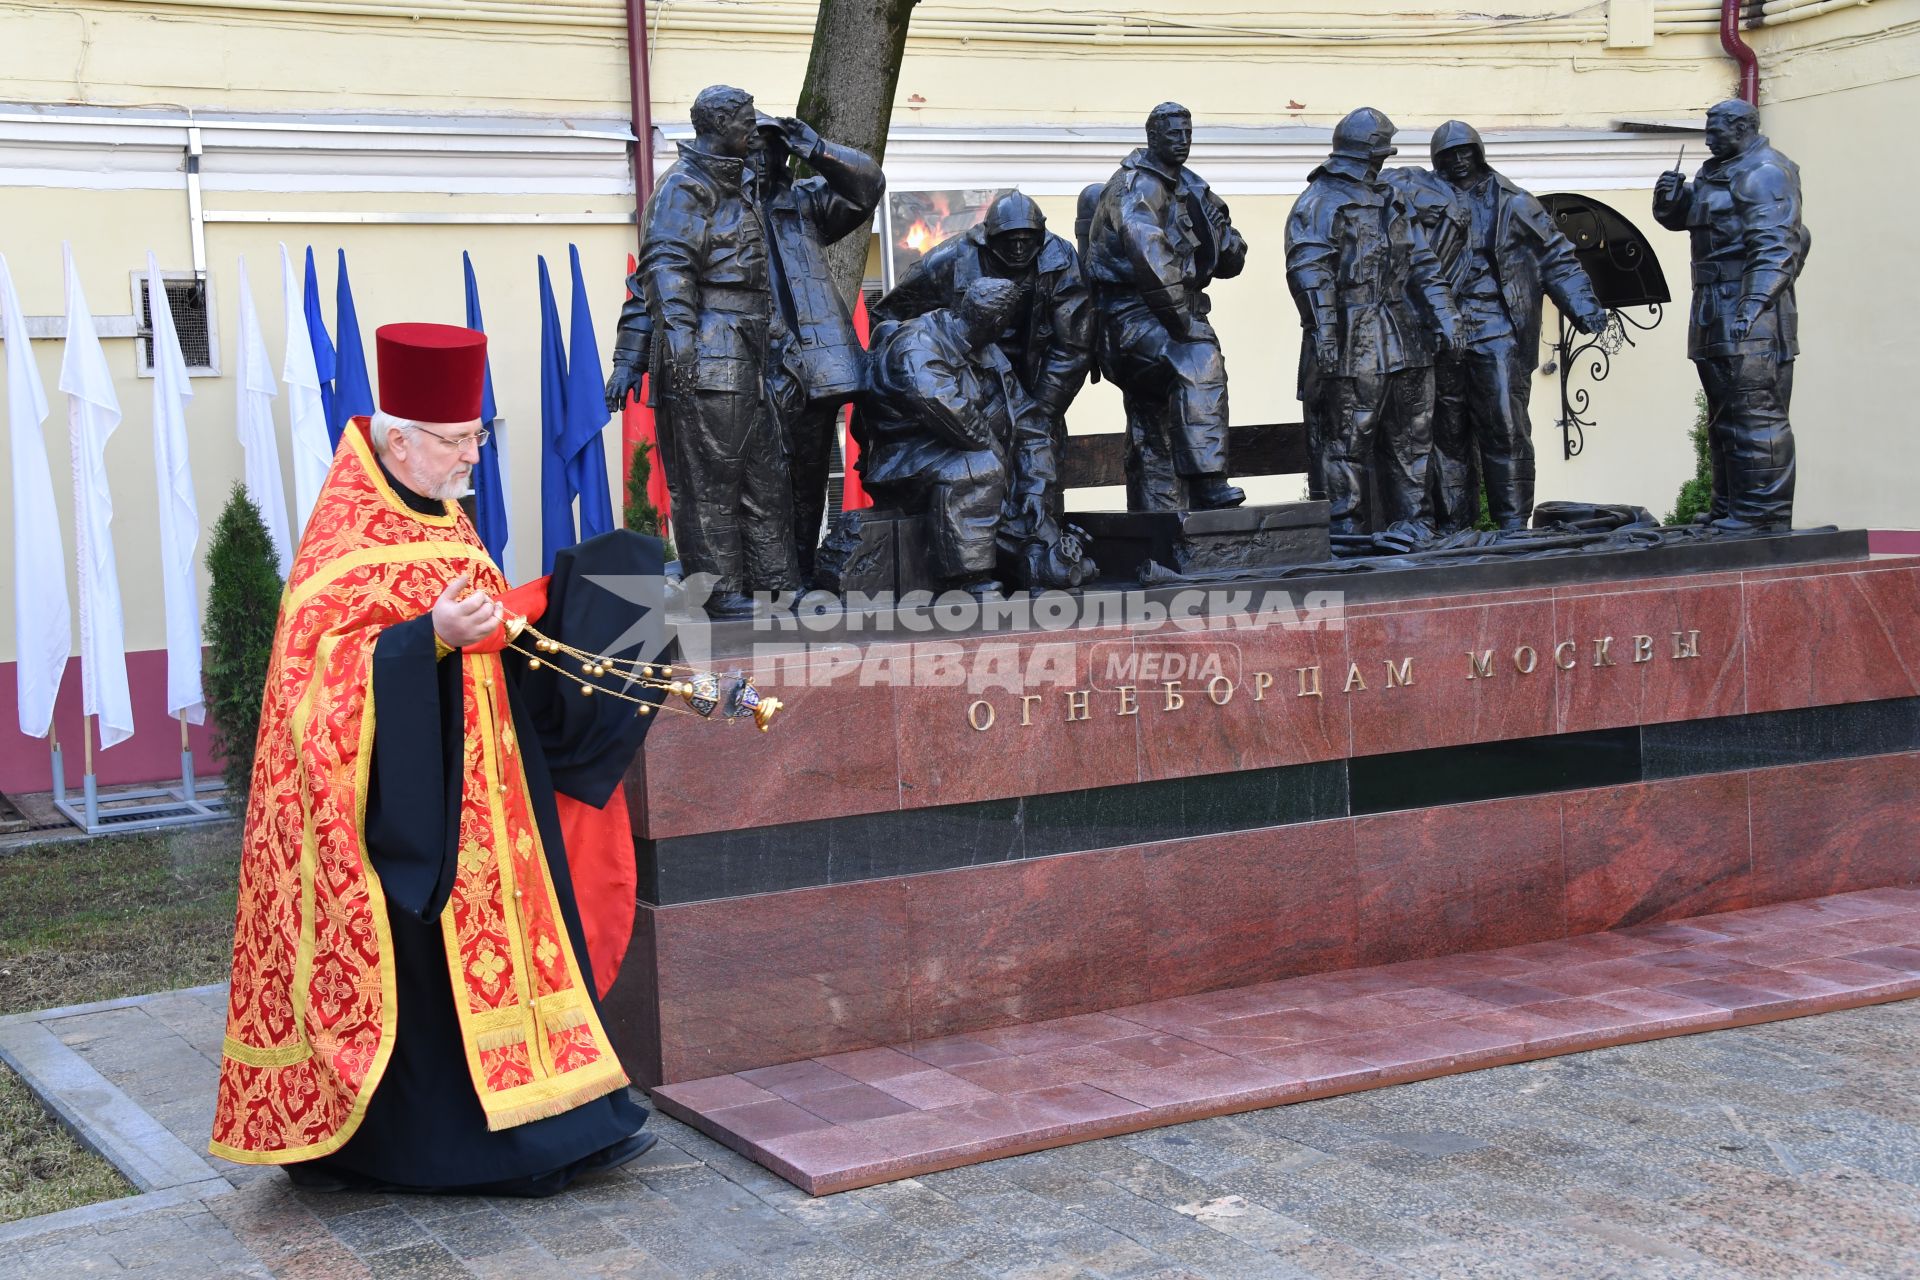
(1525, 659)
(1213, 691)
(1354, 679)
(1601, 656)
(1563, 655)
(1686, 644)
(1175, 698)
(1026, 707)
(1077, 705)
(1309, 682)
(1262, 681)
(1643, 648)
(976, 718)
(1400, 675)
(1480, 665)
(1128, 705)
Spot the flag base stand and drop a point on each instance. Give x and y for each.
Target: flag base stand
(190, 803)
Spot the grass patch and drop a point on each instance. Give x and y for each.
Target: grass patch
(42, 1168)
(118, 916)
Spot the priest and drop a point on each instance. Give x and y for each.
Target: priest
(414, 1003)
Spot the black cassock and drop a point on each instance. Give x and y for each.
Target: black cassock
(424, 1129)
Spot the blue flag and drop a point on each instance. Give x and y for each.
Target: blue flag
(587, 415)
(490, 499)
(323, 363)
(556, 499)
(352, 390)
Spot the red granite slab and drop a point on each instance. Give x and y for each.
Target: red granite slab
(697, 775)
(1656, 851)
(1446, 703)
(1835, 826)
(1463, 877)
(1819, 638)
(1247, 907)
(1624, 669)
(992, 946)
(780, 976)
(1243, 709)
(1085, 1078)
(1049, 744)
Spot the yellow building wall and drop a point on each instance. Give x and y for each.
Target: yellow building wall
(968, 61)
(1843, 110)
(1839, 90)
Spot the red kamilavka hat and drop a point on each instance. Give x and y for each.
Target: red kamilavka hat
(431, 372)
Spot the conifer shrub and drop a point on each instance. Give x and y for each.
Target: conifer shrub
(641, 515)
(1696, 495)
(243, 606)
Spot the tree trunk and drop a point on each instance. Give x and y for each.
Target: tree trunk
(848, 95)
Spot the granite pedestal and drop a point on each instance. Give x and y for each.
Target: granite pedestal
(949, 835)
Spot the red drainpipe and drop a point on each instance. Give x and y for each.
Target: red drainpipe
(640, 93)
(1740, 51)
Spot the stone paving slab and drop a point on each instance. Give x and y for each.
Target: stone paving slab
(109, 1121)
(878, 1115)
(1786, 1151)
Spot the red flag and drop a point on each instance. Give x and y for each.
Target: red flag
(853, 494)
(636, 426)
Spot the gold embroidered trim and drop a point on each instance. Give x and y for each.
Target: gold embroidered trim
(246, 1055)
(393, 553)
(488, 1041)
(563, 1020)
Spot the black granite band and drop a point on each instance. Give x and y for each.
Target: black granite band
(796, 855)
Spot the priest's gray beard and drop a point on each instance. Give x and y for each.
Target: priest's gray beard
(455, 487)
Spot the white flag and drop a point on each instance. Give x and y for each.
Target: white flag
(42, 618)
(254, 389)
(179, 513)
(307, 414)
(93, 411)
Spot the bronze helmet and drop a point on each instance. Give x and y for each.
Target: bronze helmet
(1365, 134)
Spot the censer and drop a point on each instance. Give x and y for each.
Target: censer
(730, 696)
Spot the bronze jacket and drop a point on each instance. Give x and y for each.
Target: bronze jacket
(803, 218)
(1163, 235)
(1059, 318)
(1748, 241)
(1360, 272)
(1530, 256)
(703, 270)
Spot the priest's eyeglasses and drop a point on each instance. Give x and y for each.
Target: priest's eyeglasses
(474, 438)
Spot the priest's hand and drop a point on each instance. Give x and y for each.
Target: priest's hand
(461, 618)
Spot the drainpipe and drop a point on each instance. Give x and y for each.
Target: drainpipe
(640, 93)
(1741, 52)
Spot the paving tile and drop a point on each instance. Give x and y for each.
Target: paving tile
(1225, 1051)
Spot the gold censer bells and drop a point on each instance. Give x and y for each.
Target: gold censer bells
(706, 693)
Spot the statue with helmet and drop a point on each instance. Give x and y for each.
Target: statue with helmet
(1742, 210)
(950, 438)
(1157, 238)
(1500, 253)
(1048, 338)
(1374, 309)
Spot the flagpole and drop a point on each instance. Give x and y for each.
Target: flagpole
(92, 787)
(59, 770)
(187, 782)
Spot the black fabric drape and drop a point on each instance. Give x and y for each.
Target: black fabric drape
(424, 1127)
